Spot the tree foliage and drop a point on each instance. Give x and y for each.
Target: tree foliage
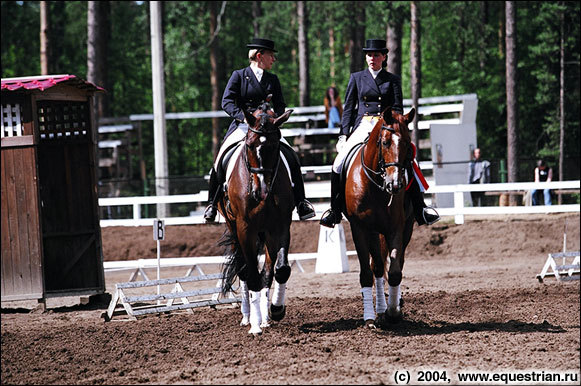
(462, 51)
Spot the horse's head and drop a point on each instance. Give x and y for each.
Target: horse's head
(262, 148)
(394, 149)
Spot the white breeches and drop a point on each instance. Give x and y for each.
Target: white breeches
(359, 135)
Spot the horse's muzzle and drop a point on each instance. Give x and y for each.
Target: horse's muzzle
(392, 187)
(395, 184)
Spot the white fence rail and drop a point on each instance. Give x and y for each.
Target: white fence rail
(323, 190)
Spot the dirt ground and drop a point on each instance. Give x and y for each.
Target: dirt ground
(472, 304)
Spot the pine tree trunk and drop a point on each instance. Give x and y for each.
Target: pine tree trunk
(332, 55)
(97, 38)
(44, 37)
(394, 32)
(256, 14)
(214, 78)
(562, 102)
(302, 19)
(511, 96)
(356, 40)
(416, 74)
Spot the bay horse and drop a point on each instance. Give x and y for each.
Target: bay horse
(380, 212)
(257, 207)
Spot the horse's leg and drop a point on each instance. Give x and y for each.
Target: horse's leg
(265, 291)
(394, 276)
(361, 241)
(247, 240)
(281, 275)
(245, 303)
(378, 254)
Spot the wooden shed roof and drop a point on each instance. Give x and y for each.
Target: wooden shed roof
(45, 82)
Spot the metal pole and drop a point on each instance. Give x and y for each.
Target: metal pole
(158, 265)
(159, 136)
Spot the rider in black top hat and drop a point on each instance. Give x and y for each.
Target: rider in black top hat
(246, 90)
(369, 92)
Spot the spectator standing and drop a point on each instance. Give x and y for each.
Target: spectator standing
(543, 173)
(479, 174)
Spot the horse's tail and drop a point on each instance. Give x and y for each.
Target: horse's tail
(234, 262)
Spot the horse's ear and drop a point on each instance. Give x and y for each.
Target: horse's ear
(410, 116)
(282, 119)
(251, 119)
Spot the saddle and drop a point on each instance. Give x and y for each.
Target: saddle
(226, 164)
(348, 162)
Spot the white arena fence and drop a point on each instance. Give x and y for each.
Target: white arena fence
(322, 190)
(334, 251)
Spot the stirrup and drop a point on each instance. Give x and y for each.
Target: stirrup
(436, 215)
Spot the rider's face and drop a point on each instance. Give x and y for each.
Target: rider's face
(266, 59)
(375, 59)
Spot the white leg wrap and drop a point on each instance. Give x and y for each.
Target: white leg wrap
(368, 312)
(393, 299)
(255, 313)
(380, 304)
(278, 295)
(264, 307)
(245, 304)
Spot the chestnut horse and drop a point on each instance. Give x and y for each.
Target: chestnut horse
(380, 213)
(258, 207)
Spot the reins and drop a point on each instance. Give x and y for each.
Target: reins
(262, 170)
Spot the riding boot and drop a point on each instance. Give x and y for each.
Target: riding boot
(333, 216)
(421, 210)
(214, 195)
(305, 209)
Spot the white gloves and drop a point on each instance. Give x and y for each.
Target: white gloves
(341, 143)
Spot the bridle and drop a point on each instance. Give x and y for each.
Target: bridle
(262, 170)
(382, 165)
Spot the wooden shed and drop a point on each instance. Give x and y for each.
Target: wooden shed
(51, 238)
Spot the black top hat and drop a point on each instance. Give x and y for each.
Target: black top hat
(376, 45)
(261, 43)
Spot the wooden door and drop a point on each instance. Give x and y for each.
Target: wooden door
(71, 233)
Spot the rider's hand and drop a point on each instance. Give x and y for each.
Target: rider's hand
(341, 143)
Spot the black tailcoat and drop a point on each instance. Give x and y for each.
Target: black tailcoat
(368, 96)
(243, 91)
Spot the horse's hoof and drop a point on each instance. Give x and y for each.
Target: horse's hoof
(393, 316)
(277, 312)
(256, 331)
(245, 321)
(370, 323)
(381, 320)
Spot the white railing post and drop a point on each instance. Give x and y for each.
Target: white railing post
(136, 211)
(459, 207)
